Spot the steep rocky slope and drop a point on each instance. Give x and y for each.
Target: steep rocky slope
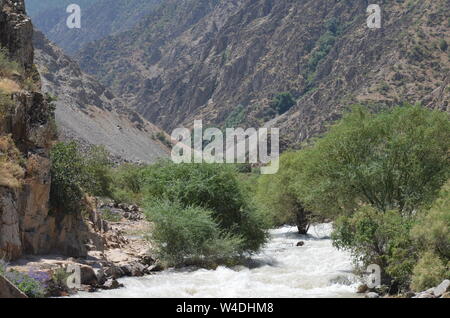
(89, 113)
(226, 60)
(99, 19)
(26, 135)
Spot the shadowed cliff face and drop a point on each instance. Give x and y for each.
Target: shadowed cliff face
(204, 59)
(26, 135)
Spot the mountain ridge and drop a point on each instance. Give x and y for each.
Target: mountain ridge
(241, 54)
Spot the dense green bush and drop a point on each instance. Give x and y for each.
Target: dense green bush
(381, 238)
(396, 160)
(214, 187)
(189, 235)
(97, 167)
(127, 183)
(236, 117)
(431, 235)
(432, 230)
(283, 102)
(74, 174)
(66, 192)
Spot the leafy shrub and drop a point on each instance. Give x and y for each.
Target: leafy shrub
(429, 272)
(58, 282)
(283, 102)
(432, 231)
(214, 187)
(127, 183)
(73, 174)
(375, 237)
(98, 172)
(67, 168)
(443, 45)
(431, 235)
(189, 235)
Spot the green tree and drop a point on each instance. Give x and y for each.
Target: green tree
(396, 160)
(276, 198)
(214, 187)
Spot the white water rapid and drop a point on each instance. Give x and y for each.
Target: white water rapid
(281, 270)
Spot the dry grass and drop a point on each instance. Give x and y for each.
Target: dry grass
(8, 86)
(11, 173)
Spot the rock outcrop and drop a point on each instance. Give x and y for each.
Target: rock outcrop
(27, 133)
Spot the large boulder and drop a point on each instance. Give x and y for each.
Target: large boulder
(88, 276)
(442, 288)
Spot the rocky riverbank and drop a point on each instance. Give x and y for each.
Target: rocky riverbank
(124, 253)
(440, 291)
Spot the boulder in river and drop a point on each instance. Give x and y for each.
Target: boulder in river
(112, 284)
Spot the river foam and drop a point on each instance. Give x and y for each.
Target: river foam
(282, 269)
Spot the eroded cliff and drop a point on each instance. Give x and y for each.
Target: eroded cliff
(26, 134)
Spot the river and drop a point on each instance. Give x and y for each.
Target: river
(282, 269)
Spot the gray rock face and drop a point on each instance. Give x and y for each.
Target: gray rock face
(442, 288)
